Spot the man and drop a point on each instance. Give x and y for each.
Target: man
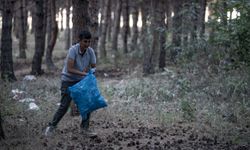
(79, 60)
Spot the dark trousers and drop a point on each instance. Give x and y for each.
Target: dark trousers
(64, 105)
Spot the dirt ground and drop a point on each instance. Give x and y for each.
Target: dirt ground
(118, 127)
(25, 130)
(112, 134)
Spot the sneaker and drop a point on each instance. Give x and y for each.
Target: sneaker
(88, 133)
(49, 130)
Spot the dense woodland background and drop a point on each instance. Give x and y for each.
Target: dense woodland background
(205, 43)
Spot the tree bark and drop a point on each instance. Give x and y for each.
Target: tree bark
(61, 13)
(2, 135)
(33, 15)
(6, 42)
(156, 21)
(102, 46)
(116, 29)
(48, 27)
(40, 31)
(194, 22)
(52, 34)
(187, 23)
(22, 29)
(109, 22)
(169, 26)
(94, 6)
(224, 13)
(144, 37)
(80, 21)
(102, 7)
(169, 10)
(162, 25)
(16, 20)
(135, 14)
(1, 6)
(177, 20)
(68, 31)
(177, 30)
(211, 17)
(202, 13)
(125, 12)
(80, 18)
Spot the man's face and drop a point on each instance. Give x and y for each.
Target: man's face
(84, 43)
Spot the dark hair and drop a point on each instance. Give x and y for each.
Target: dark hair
(84, 35)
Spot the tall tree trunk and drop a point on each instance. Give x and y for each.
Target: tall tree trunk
(211, 17)
(202, 13)
(80, 21)
(162, 25)
(144, 38)
(40, 31)
(169, 25)
(48, 14)
(102, 46)
(177, 19)
(93, 12)
(22, 29)
(16, 16)
(135, 14)
(101, 11)
(194, 22)
(224, 12)
(153, 54)
(52, 34)
(177, 30)
(68, 32)
(109, 22)
(169, 10)
(2, 136)
(80, 18)
(6, 42)
(33, 21)
(187, 23)
(125, 12)
(116, 27)
(1, 6)
(61, 13)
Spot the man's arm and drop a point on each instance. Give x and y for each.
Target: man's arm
(71, 69)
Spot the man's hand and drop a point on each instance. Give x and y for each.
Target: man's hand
(92, 70)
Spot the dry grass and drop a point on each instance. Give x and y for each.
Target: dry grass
(216, 104)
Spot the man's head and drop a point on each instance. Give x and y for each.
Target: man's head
(84, 39)
(84, 35)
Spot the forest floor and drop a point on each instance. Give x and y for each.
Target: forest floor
(175, 109)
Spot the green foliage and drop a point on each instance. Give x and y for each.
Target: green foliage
(234, 34)
(145, 90)
(188, 110)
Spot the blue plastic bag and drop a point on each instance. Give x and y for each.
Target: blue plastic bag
(86, 95)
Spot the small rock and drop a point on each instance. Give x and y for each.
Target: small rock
(45, 144)
(157, 143)
(27, 100)
(17, 91)
(179, 141)
(33, 106)
(29, 78)
(74, 138)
